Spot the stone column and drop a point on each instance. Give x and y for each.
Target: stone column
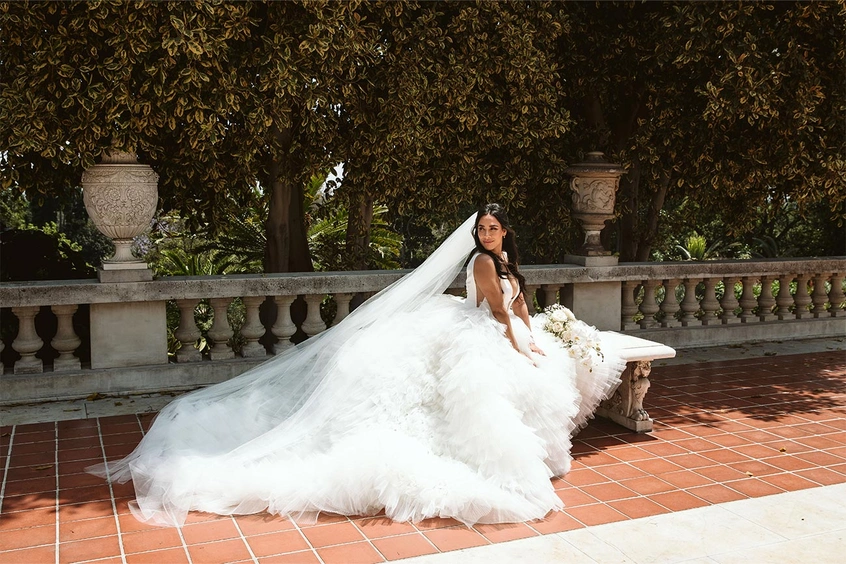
(709, 304)
(649, 306)
(342, 302)
(252, 329)
(802, 299)
(313, 323)
(748, 300)
(670, 304)
(66, 340)
(766, 301)
(220, 331)
(729, 302)
(689, 304)
(784, 299)
(835, 295)
(187, 332)
(284, 328)
(27, 342)
(820, 296)
(628, 307)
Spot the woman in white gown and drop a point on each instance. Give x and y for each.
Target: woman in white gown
(418, 403)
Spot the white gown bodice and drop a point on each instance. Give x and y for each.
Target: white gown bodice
(508, 293)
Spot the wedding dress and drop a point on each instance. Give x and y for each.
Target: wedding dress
(416, 404)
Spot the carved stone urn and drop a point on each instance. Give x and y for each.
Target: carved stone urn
(121, 197)
(594, 184)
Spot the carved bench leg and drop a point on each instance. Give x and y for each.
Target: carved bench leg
(625, 407)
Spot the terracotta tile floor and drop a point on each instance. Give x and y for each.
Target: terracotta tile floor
(723, 431)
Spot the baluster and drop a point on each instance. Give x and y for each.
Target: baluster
(649, 305)
(729, 302)
(748, 300)
(313, 324)
(66, 340)
(343, 309)
(284, 328)
(27, 343)
(709, 303)
(2, 367)
(530, 298)
(670, 305)
(629, 307)
(187, 332)
(784, 299)
(766, 301)
(253, 330)
(802, 298)
(836, 296)
(689, 304)
(820, 296)
(220, 331)
(550, 294)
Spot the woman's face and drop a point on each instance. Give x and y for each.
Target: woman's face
(490, 233)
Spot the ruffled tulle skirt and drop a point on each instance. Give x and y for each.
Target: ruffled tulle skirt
(429, 413)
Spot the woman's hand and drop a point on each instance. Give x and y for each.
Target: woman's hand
(535, 349)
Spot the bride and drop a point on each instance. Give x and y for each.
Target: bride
(418, 403)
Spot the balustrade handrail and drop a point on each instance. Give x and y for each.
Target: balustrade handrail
(66, 292)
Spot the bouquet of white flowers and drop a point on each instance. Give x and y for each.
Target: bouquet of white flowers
(581, 339)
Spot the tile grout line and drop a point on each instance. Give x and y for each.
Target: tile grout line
(369, 541)
(111, 491)
(8, 464)
(244, 539)
(58, 491)
(308, 542)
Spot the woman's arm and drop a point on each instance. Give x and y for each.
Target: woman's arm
(521, 310)
(488, 283)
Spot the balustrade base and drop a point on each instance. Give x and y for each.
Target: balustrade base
(751, 331)
(32, 366)
(63, 365)
(52, 386)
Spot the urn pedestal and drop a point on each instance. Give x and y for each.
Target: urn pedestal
(121, 196)
(594, 185)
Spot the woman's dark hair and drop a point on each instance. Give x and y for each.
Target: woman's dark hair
(509, 244)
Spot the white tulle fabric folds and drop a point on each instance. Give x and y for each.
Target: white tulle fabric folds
(416, 404)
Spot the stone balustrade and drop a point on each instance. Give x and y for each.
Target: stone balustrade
(681, 304)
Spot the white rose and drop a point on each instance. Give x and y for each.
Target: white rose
(557, 327)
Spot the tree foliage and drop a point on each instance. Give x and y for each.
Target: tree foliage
(730, 104)
(434, 108)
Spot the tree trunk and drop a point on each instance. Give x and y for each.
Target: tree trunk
(628, 235)
(644, 248)
(287, 239)
(359, 222)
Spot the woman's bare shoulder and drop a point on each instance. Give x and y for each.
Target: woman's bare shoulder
(483, 264)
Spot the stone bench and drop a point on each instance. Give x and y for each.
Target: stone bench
(625, 406)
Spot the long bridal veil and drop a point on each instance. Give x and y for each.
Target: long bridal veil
(273, 403)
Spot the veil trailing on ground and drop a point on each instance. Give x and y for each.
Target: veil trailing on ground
(274, 398)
